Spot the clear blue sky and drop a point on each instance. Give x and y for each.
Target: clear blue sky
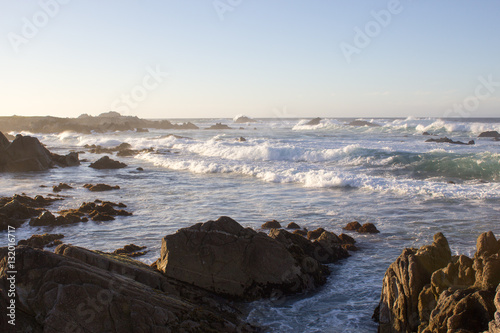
(260, 58)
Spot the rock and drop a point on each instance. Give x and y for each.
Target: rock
(489, 134)
(106, 163)
(76, 289)
(326, 249)
(311, 235)
(244, 119)
(16, 210)
(404, 281)
(241, 139)
(292, 225)
(368, 228)
(426, 133)
(139, 169)
(459, 273)
(314, 122)
(223, 257)
(45, 218)
(131, 250)
(100, 187)
(363, 123)
(486, 245)
(60, 187)
(26, 153)
(350, 247)
(301, 232)
(352, 226)
(141, 130)
(218, 126)
(447, 140)
(41, 241)
(346, 239)
(271, 224)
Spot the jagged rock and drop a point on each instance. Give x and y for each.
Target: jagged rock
(271, 224)
(26, 153)
(447, 140)
(346, 239)
(403, 283)
(459, 273)
(223, 257)
(131, 250)
(45, 218)
(75, 289)
(368, 228)
(107, 163)
(486, 245)
(311, 235)
(100, 187)
(292, 225)
(16, 210)
(41, 241)
(60, 187)
(218, 126)
(301, 232)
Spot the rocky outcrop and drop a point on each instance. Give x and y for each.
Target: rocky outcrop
(87, 291)
(223, 257)
(60, 187)
(26, 153)
(367, 228)
(107, 163)
(218, 126)
(447, 140)
(41, 241)
(293, 225)
(124, 149)
(100, 187)
(244, 119)
(314, 122)
(131, 250)
(271, 224)
(489, 134)
(15, 210)
(429, 291)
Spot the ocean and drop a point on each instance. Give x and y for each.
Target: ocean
(324, 175)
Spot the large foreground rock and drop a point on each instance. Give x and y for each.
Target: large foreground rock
(223, 257)
(429, 291)
(26, 153)
(77, 290)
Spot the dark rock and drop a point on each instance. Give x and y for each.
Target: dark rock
(346, 239)
(45, 218)
(26, 153)
(223, 257)
(41, 241)
(314, 122)
(60, 187)
(350, 247)
(301, 232)
(139, 169)
(241, 139)
(100, 187)
(4, 142)
(363, 123)
(218, 126)
(106, 163)
(271, 224)
(352, 226)
(447, 140)
(368, 228)
(14, 211)
(489, 134)
(76, 289)
(311, 235)
(426, 133)
(292, 225)
(131, 250)
(244, 119)
(141, 130)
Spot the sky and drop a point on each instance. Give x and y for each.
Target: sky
(260, 58)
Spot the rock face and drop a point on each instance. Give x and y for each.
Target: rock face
(223, 257)
(26, 153)
(77, 290)
(429, 291)
(107, 163)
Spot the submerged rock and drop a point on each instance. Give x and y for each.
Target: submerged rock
(244, 119)
(218, 126)
(223, 257)
(100, 187)
(60, 187)
(362, 123)
(131, 250)
(489, 134)
(271, 224)
(314, 122)
(447, 140)
(41, 241)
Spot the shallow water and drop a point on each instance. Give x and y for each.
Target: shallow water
(317, 176)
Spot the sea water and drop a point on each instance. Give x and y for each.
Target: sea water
(324, 175)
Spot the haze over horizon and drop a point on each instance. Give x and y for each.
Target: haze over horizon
(222, 58)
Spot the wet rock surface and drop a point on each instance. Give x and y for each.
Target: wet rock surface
(107, 163)
(15, 210)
